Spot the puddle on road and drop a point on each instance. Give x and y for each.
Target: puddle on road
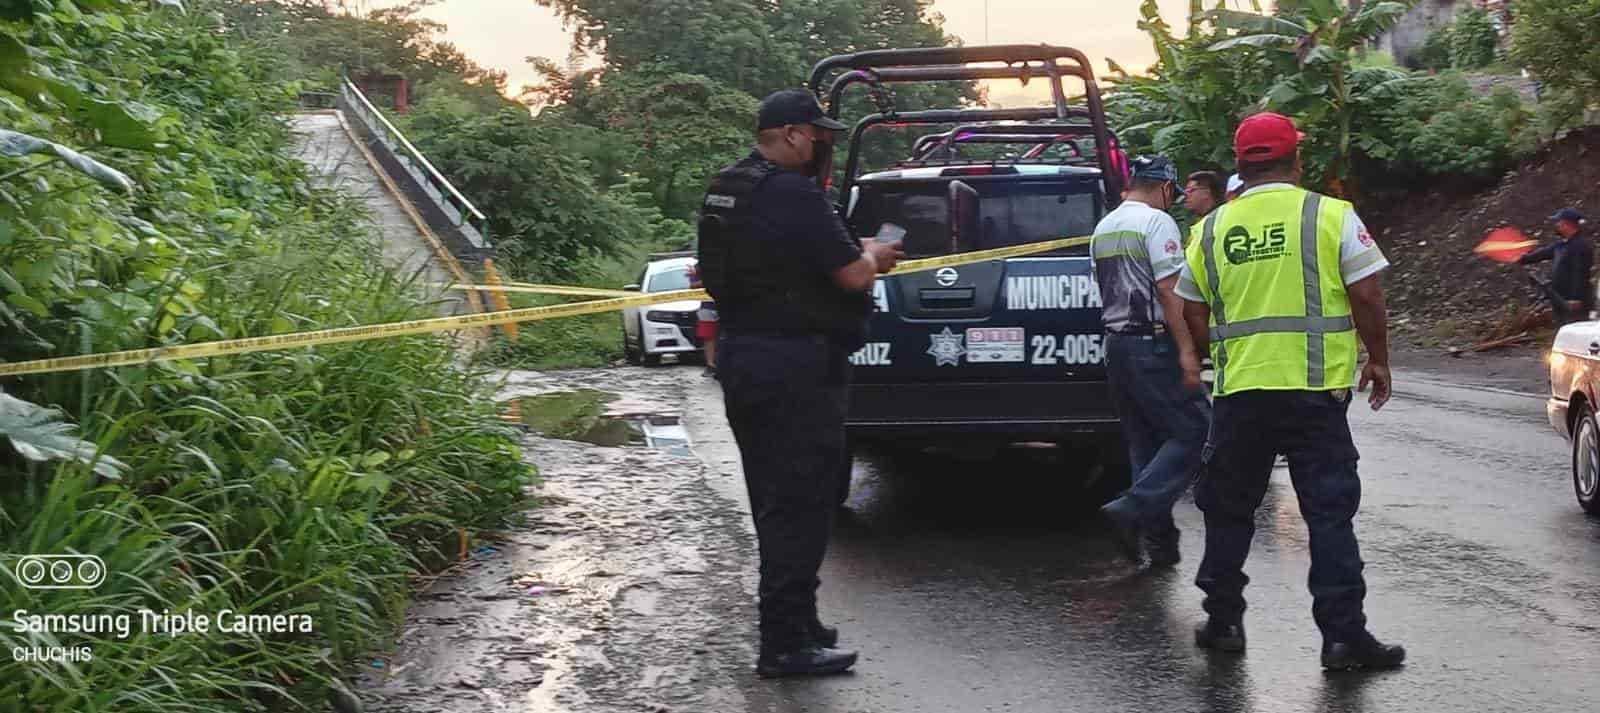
(602, 418)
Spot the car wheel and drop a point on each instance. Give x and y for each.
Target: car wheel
(1586, 461)
(629, 353)
(652, 359)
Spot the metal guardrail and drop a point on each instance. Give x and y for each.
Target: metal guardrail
(464, 216)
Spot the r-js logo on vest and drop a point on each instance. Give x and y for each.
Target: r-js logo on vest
(1241, 247)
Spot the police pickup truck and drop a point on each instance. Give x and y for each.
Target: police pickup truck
(1000, 350)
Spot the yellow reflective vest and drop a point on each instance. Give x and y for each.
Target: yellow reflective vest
(1268, 266)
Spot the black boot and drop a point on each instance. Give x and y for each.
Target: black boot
(1363, 652)
(810, 661)
(1162, 548)
(1217, 635)
(825, 637)
(1125, 528)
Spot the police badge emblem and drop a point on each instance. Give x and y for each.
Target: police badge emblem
(947, 347)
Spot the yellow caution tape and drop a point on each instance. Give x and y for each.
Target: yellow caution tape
(546, 289)
(341, 335)
(930, 263)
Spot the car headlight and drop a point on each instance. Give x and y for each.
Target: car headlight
(659, 316)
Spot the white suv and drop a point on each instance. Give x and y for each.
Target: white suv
(650, 332)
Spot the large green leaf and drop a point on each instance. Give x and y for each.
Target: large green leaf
(1254, 23)
(1373, 20)
(16, 145)
(1262, 40)
(128, 125)
(17, 72)
(38, 434)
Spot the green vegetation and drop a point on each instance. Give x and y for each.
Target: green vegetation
(1435, 52)
(1367, 122)
(1301, 61)
(1472, 40)
(1440, 127)
(1554, 39)
(146, 198)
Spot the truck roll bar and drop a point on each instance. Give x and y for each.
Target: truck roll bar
(928, 64)
(941, 116)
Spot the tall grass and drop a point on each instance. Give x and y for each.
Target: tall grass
(317, 482)
(307, 482)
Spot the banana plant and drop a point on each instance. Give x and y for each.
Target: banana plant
(1313, 45)
(1187, 104)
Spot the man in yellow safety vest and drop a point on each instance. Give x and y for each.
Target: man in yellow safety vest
(1279, 286)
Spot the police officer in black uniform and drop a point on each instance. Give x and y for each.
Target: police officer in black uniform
(792, 291)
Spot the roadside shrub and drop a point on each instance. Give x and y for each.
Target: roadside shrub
(1434, 55)
(1472, 40)
(1554, 39)
(1437, 126)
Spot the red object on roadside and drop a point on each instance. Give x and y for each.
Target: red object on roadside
(1506, 245)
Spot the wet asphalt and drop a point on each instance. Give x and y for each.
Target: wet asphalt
(974, 581)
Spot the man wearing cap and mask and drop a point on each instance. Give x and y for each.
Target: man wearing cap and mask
(792, 288)
(1137, 255)
(1571, 261)
(1280, 287)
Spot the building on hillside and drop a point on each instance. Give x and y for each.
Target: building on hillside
(1404, 41)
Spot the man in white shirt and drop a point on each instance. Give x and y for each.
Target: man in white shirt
(1138, 253)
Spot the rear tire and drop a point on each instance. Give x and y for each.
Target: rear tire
(1586, 460)
(630, 354)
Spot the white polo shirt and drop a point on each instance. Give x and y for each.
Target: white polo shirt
(1134, 247)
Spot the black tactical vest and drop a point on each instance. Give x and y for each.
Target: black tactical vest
(754, 277)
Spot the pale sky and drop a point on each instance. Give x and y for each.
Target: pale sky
(500, 33)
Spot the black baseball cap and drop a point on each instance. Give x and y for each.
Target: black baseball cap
(793, 106)
(1157, 168)
(1567, 214)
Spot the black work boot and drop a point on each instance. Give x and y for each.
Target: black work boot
(810, 661)
(1361, 652)
(825, 637)
(1214, 634)
(1124, 528)
(1162, 548)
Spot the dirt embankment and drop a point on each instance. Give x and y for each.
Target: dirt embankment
(1440, 293)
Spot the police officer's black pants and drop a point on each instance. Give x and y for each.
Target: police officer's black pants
(786, 398)
(1249, 430)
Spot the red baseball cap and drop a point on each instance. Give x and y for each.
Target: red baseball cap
(1265, 137)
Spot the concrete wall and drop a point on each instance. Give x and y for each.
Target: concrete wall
(1406, 38)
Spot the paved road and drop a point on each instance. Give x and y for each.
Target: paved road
(978, 582)
(976, 585)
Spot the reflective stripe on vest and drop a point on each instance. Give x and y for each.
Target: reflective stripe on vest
(1314, 324)
(1219, 316)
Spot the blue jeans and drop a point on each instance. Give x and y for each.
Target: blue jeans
(1312, 429)
(1163, 425)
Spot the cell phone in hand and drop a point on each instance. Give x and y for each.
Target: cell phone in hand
(889, 232)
